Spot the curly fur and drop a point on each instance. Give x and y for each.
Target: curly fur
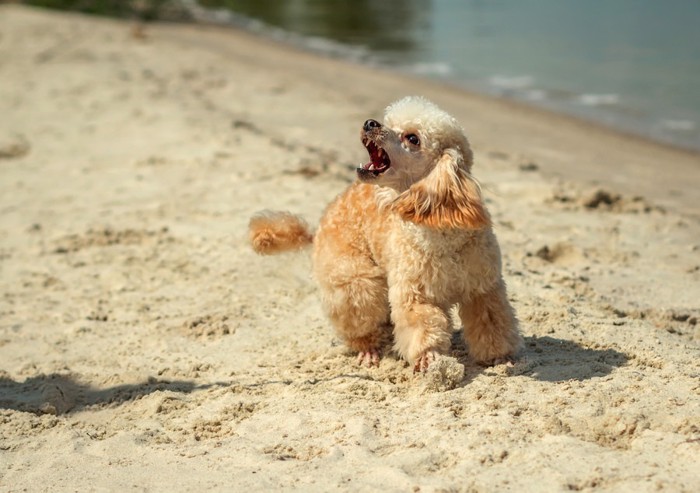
(277, 232)
(400, 247)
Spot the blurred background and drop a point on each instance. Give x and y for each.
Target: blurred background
(628, 64)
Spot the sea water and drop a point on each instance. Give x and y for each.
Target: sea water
(629, 64)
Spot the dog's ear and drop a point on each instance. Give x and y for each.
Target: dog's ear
(447, 198)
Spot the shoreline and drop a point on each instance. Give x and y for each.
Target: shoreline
(671, 189)
(433, 86)
(256, 27)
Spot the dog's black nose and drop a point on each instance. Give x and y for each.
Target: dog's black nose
(370, 124)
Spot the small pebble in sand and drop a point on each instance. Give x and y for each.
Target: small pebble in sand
(529, 166)
(13, 146)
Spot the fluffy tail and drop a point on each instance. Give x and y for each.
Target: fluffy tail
(277, 232)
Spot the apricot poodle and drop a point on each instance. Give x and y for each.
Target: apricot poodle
(410, 239)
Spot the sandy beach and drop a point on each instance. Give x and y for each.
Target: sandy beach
(144, 346)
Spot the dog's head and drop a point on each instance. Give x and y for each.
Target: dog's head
(421, 152)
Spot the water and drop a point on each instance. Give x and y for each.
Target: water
(629, 64)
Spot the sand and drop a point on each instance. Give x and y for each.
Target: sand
(143, 346)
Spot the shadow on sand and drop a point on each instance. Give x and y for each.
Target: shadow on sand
(543, 358)
(58, 394)
(554, 360)
(550, 359)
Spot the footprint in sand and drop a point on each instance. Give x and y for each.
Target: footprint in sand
(208, 327)
(602, 200)
(561, 253)
(108, 237)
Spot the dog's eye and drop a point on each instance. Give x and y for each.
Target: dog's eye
(413, 139)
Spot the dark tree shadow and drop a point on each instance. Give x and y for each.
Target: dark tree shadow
(58, 394)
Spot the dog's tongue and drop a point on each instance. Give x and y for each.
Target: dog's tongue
(376, 156)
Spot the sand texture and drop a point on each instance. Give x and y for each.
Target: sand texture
(144, 346)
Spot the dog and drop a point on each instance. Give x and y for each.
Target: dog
(402, 245)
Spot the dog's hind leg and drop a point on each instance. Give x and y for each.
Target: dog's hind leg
(354, 293)
(490, 326)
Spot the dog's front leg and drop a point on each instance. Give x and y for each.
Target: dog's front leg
(422, 330)
(490, 326)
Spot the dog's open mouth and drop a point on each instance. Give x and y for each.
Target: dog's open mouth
(379, 160)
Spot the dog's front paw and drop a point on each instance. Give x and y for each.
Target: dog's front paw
(368, 358)
(424, 360)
